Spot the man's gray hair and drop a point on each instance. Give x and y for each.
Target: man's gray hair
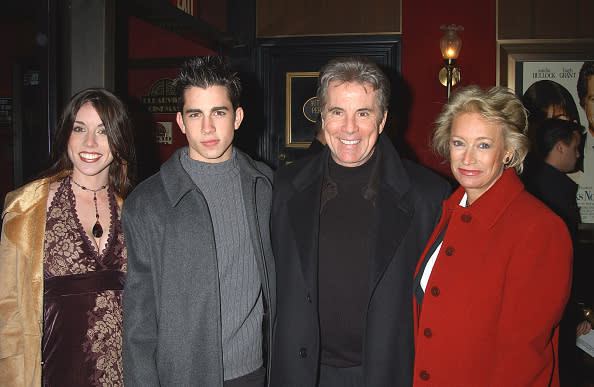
(354, 69)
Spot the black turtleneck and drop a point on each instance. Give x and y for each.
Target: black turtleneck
(344, 251)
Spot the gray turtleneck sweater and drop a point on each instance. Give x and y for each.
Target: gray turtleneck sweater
(239, 281)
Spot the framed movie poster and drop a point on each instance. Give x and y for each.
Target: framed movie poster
(521, 65)
(565, 74)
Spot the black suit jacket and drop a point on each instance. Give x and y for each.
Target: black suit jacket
(555, 189)
(408, 205)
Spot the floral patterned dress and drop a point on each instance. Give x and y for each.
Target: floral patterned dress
(82, 307)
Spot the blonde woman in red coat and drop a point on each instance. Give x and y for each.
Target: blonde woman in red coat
(492, 283)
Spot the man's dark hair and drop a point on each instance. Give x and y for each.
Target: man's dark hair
(542, 94)
(586, 72)
(552, 131)
(205, 72)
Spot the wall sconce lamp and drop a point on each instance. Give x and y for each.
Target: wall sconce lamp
(450, 44)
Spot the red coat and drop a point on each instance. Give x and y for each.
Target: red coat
(492, 305)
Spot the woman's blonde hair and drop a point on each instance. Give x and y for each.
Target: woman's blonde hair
(498, 106)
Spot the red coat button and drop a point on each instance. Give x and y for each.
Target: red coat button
(435, 291)
(427, 332)
(449, 251)
(424, 375)
(466, 218)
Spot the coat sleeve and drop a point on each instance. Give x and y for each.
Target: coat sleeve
(139, 334)
(537, 285)
(12, 341)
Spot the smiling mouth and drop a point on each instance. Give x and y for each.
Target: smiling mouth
(89, 157)
(468, 172)
(349, 142)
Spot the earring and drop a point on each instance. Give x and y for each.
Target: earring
(507, 160)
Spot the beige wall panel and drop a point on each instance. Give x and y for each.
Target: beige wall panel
(545, 19)
(513, 18)
(555, 20)
(585, 19)
(327, 17)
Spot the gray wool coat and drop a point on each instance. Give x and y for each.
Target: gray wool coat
(171, 303)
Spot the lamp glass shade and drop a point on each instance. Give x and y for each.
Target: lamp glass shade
(450, 44)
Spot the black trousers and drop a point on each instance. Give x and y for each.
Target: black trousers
(254, 379)
(340, 377)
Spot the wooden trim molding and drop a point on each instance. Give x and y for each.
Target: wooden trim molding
(510, 52)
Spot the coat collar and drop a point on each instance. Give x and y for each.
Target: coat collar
(391, 169)
(394, 210)
(393, 214)
(28, 196)
(559, 177)
(177, 182)
(487, 209)
(25, 226)
(304, 212)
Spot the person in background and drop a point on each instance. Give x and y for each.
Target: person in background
(199, 297)
(63, 256)
(585, 90)
(544, 100)
(548, 99)
(557, 147)
(347, 227)
(491, 286)
(319, 141)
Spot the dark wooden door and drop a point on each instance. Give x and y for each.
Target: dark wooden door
(287, 69)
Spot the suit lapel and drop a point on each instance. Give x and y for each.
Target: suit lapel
(392, 218)
(393, 212)
(305, 221)
(392, 221)
(304, 211)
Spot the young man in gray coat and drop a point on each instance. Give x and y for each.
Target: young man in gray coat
(200, 287)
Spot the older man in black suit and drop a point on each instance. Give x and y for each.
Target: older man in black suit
(348, 226)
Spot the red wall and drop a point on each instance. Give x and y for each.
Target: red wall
(421, 61)
(214, 13)
(148, 41)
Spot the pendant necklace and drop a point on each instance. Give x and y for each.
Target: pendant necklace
(97, 229)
